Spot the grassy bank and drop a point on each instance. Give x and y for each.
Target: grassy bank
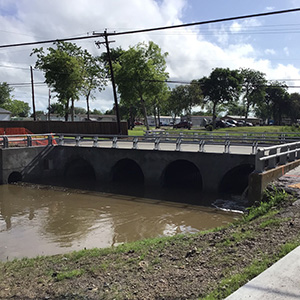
(140, 130)
(206, 265)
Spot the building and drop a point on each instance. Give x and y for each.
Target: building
(4, 115)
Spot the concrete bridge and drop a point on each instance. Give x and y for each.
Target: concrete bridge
(181, 164)
(202, 171)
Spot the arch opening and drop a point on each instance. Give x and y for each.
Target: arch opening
(182, 174)
(80, 169)
(235, 181)
(14, 177)
(127, 171)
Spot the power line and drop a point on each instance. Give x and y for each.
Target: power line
(155, 28)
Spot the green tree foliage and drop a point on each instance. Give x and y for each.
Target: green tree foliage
(253, 89)
(221, 87)
(94, 76)
(17, 108)
(295, 107)
(70, 71)
(276, 103)
(5, 91)
(140, 75)
(62, 66)
(182, 98)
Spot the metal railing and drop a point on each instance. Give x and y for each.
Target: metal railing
(270, 157)
(157, 142)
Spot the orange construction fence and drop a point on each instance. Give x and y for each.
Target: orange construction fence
(23, 131)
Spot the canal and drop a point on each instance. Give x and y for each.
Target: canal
(45, 220)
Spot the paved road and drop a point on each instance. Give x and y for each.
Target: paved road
(167, 146)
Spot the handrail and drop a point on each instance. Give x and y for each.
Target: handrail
(228, 141)
(267, 158)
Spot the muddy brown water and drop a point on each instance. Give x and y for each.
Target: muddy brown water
(35, 220)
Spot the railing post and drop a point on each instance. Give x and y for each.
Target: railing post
(283, 158)
(259, 164)
(135, 143)
(29, 141)
(157, 144)
(5, 141)
(201, 145)
(61, 140)
(272, 161)
(178, 144)
(227, 146)
(50, 140)
(95, 141)
(114, 142)
(298, 151)
(292, 155)
(254, 147)
(77, 140)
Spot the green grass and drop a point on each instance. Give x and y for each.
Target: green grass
(231, 283)
(274, 198)
(68, 274)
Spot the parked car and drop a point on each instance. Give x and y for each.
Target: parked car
(138, 123)
(183, 124)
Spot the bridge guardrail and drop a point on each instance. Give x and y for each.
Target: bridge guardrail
(114, 141)
(270, 157)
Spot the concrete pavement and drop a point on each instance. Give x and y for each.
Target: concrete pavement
(280, 281)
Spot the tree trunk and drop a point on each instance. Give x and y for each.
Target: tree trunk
(72, 110)
(145, 112)
(158, 116)
(214, 115)
(67, 111)
(88, 106)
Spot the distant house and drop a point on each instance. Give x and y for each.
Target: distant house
(4, 115)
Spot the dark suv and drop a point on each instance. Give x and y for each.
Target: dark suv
(183, 124)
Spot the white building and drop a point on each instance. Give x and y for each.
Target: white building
(164, 120)
(4, 115)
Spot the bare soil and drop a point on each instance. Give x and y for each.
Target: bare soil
(182, 267)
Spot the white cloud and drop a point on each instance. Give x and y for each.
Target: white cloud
(192, 54)
(286, 51)
(270, 51)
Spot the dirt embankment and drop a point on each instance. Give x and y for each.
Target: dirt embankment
(182, 267)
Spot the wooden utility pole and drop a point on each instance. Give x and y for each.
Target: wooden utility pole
(112, 78)
(49, 105)
(32, 92)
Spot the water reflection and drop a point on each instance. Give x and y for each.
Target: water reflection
(40, 220)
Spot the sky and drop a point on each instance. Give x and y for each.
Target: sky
(269, 44)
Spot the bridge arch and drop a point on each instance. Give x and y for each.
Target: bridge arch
(182, 174)
(14, 177)
(127, 171)
(235, 181)
(79, 169)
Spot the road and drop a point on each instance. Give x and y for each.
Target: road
(234, 149)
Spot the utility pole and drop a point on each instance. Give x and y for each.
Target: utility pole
(112, 76)
(49, 105)
(32, 92)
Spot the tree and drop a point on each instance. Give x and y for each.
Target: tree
(94, 77)
(5, 91)
(63, 67)
(221, 87)
(294, 112)
(278, 97)
(253, 88)
(140, 74)
(17, 108)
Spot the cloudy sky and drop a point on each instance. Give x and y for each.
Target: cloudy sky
(269, 44)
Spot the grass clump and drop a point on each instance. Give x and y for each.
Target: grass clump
(270, 200)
